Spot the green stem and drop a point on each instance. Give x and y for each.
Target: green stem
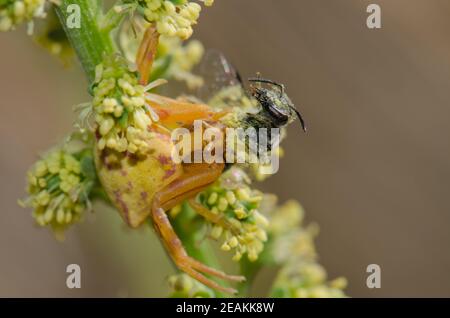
(90, 42)
(249, 270)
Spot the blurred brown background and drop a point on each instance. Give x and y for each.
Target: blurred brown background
(373, 170)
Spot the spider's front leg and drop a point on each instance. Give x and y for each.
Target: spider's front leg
(195, 178)
(146, 53)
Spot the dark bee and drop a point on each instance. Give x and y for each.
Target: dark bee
(277, 107)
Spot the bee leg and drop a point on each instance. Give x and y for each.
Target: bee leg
(195, 179)
(146, 53)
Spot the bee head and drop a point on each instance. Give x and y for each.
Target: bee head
(275, 103)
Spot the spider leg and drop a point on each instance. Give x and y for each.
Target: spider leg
(146, 54)
(212, 217)
(196, 178)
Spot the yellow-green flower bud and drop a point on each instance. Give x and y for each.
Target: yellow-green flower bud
(173, 18)
(184, 286)
(15, 12)
(60, 196)
(243, 228)
(121, 113)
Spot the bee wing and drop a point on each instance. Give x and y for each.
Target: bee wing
(218, 74)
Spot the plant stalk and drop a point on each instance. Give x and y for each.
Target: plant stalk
(89, 41)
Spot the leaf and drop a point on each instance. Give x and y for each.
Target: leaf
(88, 167)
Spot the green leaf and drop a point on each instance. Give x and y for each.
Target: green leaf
(88, 167)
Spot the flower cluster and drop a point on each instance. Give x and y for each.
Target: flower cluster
(292, 247)
(288, 235)
(15, 12)
(183, 286)
(173, 17)
(183, 58)
(242, 226)
(58, 188)
(307, 280)
(121, 111)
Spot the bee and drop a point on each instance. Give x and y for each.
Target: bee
(277, 109)
(149, 186)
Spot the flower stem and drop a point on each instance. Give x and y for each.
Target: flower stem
(249, 270)
(89, 41)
